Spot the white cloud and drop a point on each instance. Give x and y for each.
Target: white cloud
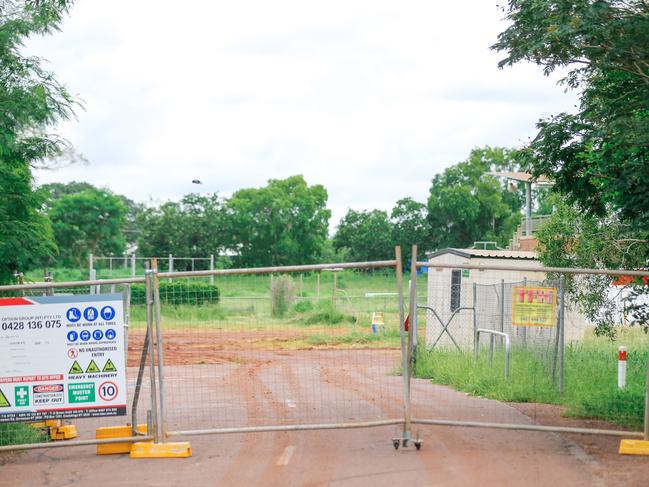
(368, 98)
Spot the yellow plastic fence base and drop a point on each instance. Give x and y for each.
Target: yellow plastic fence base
(116, 432)
(161, 450)
(634, 447)
(65, 432)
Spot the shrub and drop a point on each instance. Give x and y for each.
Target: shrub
(303, 306)
(179, 292)
(282, 295)
(325, 313)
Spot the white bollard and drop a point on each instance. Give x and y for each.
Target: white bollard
(621, 368)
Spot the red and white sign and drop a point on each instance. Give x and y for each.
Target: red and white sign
(108, 391)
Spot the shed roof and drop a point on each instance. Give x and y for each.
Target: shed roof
(486, 254)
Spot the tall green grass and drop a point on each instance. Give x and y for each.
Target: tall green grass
(20, 434)
(590, 389)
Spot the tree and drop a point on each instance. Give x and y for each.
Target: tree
(410, 227)
(572, 238)
(599, 156)
(90, 221)
(31, 100)
(283, 223)
(193, 227)
(367, 236)
(466, 204)
(130, 225)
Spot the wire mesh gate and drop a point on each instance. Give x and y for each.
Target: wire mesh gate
(327, 347)
(285, 348)
(496, 344)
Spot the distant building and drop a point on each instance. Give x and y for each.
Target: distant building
(473, 299)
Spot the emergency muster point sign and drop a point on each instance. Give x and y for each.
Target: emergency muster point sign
(53, 349)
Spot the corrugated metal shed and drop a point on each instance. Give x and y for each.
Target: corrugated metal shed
(487, 254)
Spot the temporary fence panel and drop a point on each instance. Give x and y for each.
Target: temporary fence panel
(91, 348)
(464, 374)
(275, 349)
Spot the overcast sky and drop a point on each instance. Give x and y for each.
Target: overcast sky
(370, 98)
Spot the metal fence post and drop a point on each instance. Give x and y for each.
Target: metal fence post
(404, 355)
(161, 431)
(93, 276)
(149, 324)
(90, 266)
(212, 268)
(133, 264)
(474, 314)
(562, 332)
(502, 307)
(524, 330)
(646, 405)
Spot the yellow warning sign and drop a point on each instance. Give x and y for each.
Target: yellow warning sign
(4, 402)
(75, 369)
(109, 367)
(534, 306)
(92, 368)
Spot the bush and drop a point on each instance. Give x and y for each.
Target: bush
(325, 313)
(282, 295)
(303, 306)
(179, 292)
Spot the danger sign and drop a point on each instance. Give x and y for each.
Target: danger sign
(534, 306)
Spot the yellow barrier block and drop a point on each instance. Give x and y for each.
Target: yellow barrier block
(53, 423)
(161, 450)
(39, 424)
(116, 432)
(634, 447)
(65, 432)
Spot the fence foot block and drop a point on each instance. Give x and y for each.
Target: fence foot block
(116, 432)
(634, 447)
(161, 450)
(65, 432)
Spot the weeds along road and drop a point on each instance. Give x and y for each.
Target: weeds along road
(287, 387)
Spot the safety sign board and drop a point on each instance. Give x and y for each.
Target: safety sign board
(534, 306)
(62, 357)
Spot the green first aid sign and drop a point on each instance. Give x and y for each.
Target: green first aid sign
(21, 394)
(82, 392)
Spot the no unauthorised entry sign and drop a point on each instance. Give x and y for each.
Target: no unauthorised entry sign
(52, 348)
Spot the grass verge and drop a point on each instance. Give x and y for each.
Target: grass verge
(590, 391)
(20, 434)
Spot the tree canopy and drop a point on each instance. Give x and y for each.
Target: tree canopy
(32, 100)
(286, 222)
(366, 236)
(599, 156)
(90, 221)
(193, 227)
(466, 204)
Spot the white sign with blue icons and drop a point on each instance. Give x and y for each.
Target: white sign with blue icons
(65, 357)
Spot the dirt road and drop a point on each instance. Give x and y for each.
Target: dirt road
(240, 388)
